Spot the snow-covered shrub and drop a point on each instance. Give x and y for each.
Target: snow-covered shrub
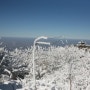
(20, 61)
(58, 66)
(4, 62)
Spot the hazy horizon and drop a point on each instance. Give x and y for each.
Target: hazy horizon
(53, 37)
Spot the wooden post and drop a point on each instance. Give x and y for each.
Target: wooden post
(70, 81)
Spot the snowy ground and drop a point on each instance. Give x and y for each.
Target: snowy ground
(66, 67)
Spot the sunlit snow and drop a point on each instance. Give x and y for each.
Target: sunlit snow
(57, 68)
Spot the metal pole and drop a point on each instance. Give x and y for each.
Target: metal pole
(34, 80)
(35, 41)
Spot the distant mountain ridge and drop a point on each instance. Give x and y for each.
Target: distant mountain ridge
(13, 42)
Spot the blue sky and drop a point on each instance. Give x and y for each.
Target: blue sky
(32, 18)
